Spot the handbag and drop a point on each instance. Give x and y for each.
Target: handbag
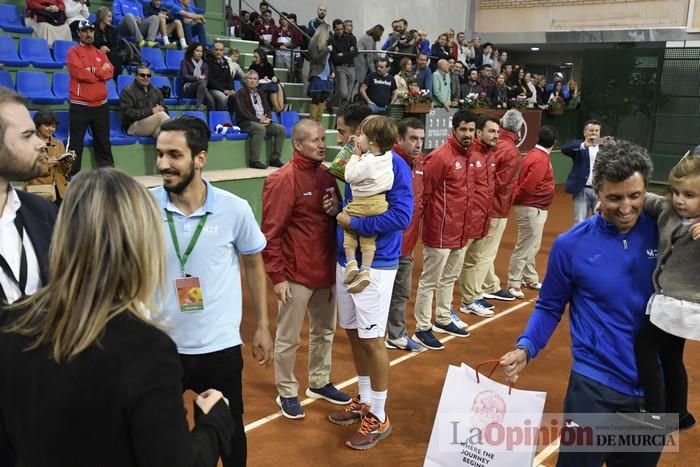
(57, 18)
(473, 413)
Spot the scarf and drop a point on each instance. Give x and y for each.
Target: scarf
(197, 68)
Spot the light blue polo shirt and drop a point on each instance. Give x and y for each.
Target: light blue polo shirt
(230, 230)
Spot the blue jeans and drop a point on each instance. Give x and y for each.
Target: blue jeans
(377, 109)
(584, 202)
(195, 29)
(585, 395)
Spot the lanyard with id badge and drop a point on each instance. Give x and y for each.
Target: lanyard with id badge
(187, 288)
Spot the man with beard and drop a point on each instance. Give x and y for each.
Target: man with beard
(26, 220)
(206, 230)
(89, 70)
(316, 22)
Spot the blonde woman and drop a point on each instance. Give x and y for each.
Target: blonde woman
(86, 377)
(320, 72)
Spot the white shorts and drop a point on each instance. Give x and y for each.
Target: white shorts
(368, 310)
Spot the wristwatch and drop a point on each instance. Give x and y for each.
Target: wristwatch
(527, 352)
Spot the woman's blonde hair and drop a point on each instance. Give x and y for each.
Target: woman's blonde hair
(321, 36)
(380, 130)
(106, 258)
(688, 166)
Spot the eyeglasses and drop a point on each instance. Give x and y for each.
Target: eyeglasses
(144, 75)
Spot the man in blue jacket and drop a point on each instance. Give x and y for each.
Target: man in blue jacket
(579, 183)
(602, 268)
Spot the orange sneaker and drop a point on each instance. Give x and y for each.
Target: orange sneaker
(371, 431)
(352, 413)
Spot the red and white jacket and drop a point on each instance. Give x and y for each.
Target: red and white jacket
(535, 185)
(301, 243)
(88, 75)
(480, 182)
(508, 159)
(411, 234)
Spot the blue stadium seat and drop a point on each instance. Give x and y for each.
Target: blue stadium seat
(93, 18)
(123, 81)
(242, 134)
(237, 85)
(221, 116)
(154, 57)
(61, 85)
(173, 58)
(11, 21)
(112, 94)
(116, 132)
(183, 100)
(159, 82)
(288, 119)
(8, 53)
(62, 127)
(60, 50)
(35, 86)
(6, 80)
(36, 51)
(202, 116)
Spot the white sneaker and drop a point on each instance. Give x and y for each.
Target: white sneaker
(533, 285)
(457, 321)
(517, 293)
(476, 308)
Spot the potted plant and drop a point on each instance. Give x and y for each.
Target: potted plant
(476, 101)
(519, 102)
(556, 106)
(417, 102)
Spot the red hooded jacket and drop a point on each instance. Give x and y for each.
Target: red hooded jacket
(88, 75)
(507, 157)
(300, 235)
(410, 235)
(445, 196)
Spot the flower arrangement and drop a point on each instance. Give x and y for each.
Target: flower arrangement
(419, 96)
(475, 100)
(520, 102)
(556, 105)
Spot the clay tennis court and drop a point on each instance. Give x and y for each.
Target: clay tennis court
(417, 378)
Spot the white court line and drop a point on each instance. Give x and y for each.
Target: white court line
(262, 421)
(545, 453)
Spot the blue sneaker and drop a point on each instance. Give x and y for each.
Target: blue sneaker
(403, 343)
(485, 304)
(291, 408)
(427, 340)
(329, 393)
(451, 329)
(500, 295)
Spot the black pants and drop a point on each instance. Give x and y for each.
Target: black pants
(97, 118)
(223, 371)
(652, 344)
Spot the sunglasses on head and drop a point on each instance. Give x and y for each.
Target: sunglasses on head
(144, 75)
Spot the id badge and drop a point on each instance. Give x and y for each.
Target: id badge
(189, 294)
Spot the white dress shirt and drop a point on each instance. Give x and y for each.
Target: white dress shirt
(10, 250)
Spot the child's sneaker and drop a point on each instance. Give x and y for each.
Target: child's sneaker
(361, 281)
(371, 431)
(351, 271)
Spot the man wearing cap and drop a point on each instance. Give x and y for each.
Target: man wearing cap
(89, 70)
(558, 76)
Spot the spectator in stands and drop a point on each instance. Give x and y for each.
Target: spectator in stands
(461, 51)
(556, 94)
(450, 37)
(423, 44)
(75, 11)
(365, 61)
(499, 93)
(300, 261)
(253, 116)
(499, 64)
(248, 28)
(564, 91)
(192, 22)
(439, 51)
(168, 23)
(405, 44)
(423, 73)
(532, 196)
(263, 7)
(348, 27)
(59, 166)
(541, 86)
(379, 89)
(302, 44)
(142, 106)
(48, 20)
(130, 22)
(219, 80)
(475, 55)
(471, 85)
(574, 95)
(403, 76)
(268, 82)
(265, 31)
(442, 83)
(343, 53)
(486, 78)
(286, 39)
(106, 39)
(316, 22)
(446, 189)
(456, 81)
(194, 73)
(237, 72)
(487, 56)
(89, 70)
(532, 95)
(320, 72)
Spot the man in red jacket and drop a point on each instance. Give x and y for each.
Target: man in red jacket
(89, 70)
(445, 233)
(533, 194)
(478, 274)
(409, 145)
(300, 261)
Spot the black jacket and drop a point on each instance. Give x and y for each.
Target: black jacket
(136, 103)
(38, 216)
(243, 106)
(118, 404)
(219, 77)
(346, 45)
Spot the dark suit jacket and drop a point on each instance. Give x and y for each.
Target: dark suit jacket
(576, 181)
(117, 404)
(38, 216)
(243, 106)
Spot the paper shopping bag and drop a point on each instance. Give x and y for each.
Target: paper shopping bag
(481, 422)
